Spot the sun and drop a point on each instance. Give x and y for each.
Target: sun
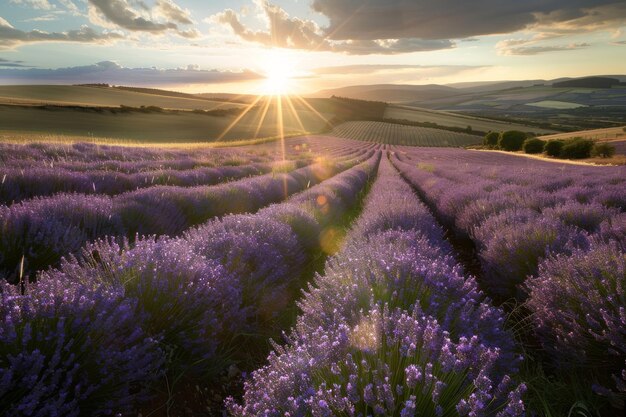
(279, 70)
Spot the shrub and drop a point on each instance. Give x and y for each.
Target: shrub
(533, 145)
(512, 140)
(603, 150)
(184, 300)
(67, 349)
(42, 230)
(393, 363)
(587, 216)
(491, 139)
(553, 148)
(577, 148)
(577, 304)
(515, 252)
(261, 253)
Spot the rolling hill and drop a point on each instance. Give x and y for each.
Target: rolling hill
(106, 96)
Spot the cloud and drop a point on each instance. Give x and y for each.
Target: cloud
(120, 13)
(532, 47)
(34, 4)
(292, 32)
(113, 73)
(71, 7)
(367, 69)
(457, 19)
(13, 64)
(173, 12)
(10, 36)
(618, 43)
(54, 15)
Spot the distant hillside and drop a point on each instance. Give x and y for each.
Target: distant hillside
(103, 95)
(589, 82)
(391, 93)
(477, 87)
(228, 97)
(448, 96)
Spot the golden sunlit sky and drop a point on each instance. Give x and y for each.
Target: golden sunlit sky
(302, 46)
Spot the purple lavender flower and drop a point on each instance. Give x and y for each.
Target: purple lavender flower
(295, 375)
(68, 349)
(579, 311)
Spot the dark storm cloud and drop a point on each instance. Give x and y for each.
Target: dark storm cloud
(455, 19)
(292, 32)
(10, 36)
(362, 27)
(113, 73)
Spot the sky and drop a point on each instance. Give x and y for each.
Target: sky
(306, 45)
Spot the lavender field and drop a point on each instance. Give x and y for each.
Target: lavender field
(314, 276)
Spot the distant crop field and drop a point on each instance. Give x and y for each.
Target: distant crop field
(443, 118)
(555, 104)
(395, 134)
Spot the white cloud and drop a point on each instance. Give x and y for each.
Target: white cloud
(34, 4)
(122, 14)
(11, 37)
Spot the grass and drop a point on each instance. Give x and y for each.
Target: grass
(155, 128)
(611, 133)
(100, 96)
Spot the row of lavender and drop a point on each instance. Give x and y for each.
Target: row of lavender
(38, 232)
(551, 237)
(87, 157)
(98, 335)
(40, 178)
(392, 328)
(19, 184)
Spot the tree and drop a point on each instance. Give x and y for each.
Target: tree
(533, 145)
(512, 140)
(577, 148)
(603, 150)
(491, 139)
(553, 148)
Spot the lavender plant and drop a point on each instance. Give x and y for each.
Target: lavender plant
(69, 349)
(391, 363)
(578, 307)
(185, 301)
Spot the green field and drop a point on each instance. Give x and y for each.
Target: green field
(99, 96)
(555, 104)
(395, 134)
(442, 118)
(156, 127)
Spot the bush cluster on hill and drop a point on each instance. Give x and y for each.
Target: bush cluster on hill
(575, 148)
